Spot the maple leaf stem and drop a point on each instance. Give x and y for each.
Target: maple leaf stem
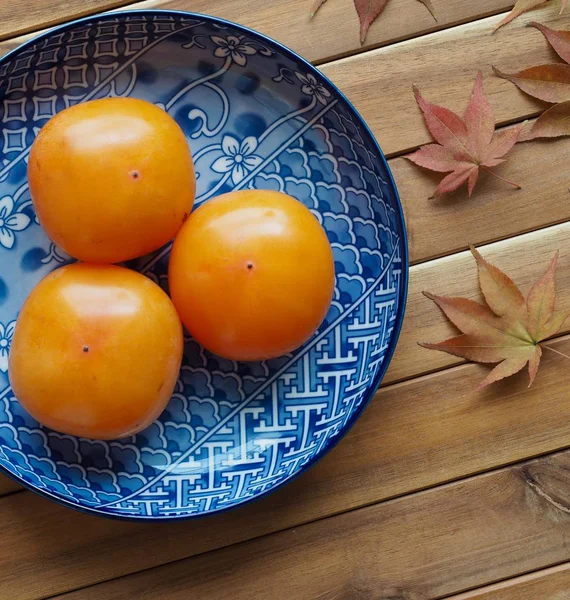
(555, 351)
(515, 185)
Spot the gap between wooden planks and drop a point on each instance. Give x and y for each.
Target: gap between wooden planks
(420, 547)
(546, 584)
(413, 436)
(334, 32)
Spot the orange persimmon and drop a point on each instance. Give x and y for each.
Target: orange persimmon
(111, 179)
(252, 274)
(96, 351)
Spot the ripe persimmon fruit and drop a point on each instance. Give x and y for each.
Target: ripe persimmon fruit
(251, 274)
(111, 179)
(96, 351)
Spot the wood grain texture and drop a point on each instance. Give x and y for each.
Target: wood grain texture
(524, 258)
(444, 65)
(19, 16)
(413, 436)
(496, 211)
(8, 485)
(420, 547)
(547, 584)
(333, 32)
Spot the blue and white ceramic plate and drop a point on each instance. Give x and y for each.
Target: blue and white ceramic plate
(256, 116)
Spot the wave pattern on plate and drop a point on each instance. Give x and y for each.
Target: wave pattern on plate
(256, 117)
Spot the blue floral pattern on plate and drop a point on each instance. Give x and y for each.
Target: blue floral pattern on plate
(256, 116)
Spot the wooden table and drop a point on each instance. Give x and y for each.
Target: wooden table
(439, 490)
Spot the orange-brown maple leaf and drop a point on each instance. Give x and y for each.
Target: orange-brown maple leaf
(507, 329)
(464, 146)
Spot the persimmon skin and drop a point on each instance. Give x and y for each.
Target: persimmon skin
(251, 274)
(96, 351)
(111, 179)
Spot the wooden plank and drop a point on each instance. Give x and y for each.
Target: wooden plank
(7, 485)
(524, 258)
(449, 224)
(548, 584)
(20, 16)
(424, 546)
(413, 436)
(8, 45)
(334, 31)
(443, 65)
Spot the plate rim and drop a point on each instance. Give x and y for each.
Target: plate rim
(402, 295)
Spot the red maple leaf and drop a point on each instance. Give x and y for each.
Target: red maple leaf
(464, 146)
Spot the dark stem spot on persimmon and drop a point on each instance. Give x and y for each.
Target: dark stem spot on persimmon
(135, 174)
(85, 348)
(250, 265)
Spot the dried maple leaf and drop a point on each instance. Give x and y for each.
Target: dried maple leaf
(523, 6)
(553, 123)
(464, 146)
(368, 11)
(509, 328)
(559, 40)
(550, 83)
(429, 6)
